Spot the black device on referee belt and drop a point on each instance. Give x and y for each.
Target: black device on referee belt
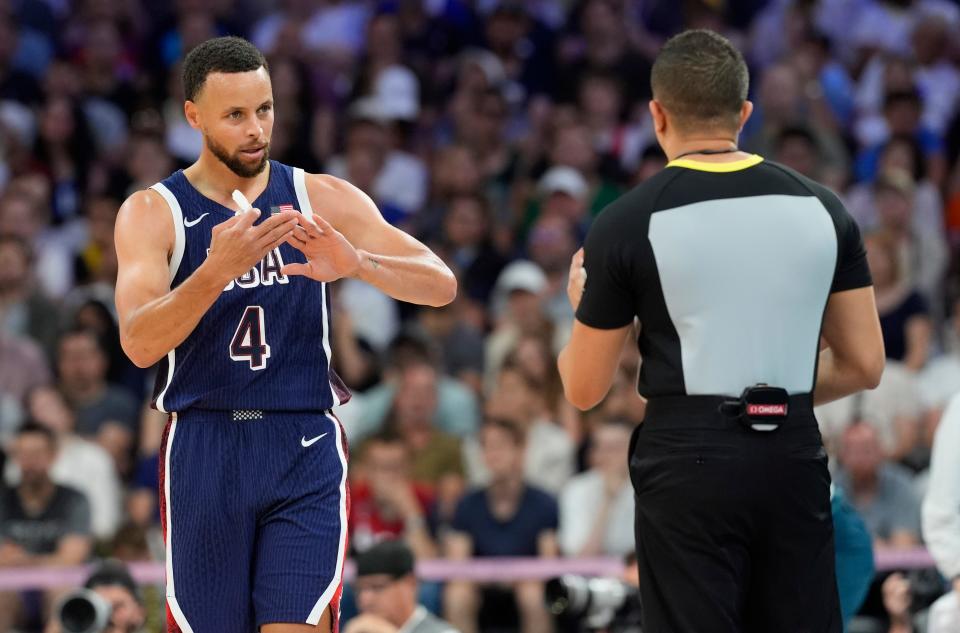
(760, 407)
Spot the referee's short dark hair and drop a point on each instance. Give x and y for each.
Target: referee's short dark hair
(228, 54)
(701, 79)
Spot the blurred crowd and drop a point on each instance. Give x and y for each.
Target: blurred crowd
(493, 130)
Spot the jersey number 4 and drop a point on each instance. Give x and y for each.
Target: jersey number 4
(249, 342)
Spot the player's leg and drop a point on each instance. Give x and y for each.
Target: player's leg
(209, 525)
(302, 534)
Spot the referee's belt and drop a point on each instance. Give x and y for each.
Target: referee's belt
(759, 408)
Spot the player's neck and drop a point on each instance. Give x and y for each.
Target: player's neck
(216, 181)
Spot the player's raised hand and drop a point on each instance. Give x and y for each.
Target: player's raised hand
(330, 256)
(237, 245)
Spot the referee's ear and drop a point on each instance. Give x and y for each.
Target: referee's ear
(659, 117)
(745, 111)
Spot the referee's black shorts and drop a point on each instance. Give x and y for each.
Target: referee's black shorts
(733, 526)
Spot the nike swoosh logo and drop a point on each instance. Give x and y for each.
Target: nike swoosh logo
(305, 442)
(188, 223)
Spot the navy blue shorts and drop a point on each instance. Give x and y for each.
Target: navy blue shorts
(254, 508)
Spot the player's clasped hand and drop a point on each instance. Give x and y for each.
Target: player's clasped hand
(330, 256)
(237, 245)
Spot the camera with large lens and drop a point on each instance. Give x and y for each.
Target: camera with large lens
(580, 604)
(83, 611)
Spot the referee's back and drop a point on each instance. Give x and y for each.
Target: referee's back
(736, 267)
(728, 267)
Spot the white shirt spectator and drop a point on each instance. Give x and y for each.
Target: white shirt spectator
(374, 314)
(944, 616)
(581, 501)
(939, 381)
(941, 507)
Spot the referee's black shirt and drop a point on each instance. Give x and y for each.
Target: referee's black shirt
(728, 267)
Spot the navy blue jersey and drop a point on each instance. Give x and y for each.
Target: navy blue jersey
(264, 344)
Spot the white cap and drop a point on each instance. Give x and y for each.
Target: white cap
(397, 92)
(564, 180)
(521, 275)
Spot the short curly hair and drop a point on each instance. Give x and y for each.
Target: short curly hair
(228, 54)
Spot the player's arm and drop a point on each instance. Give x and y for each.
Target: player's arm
(153, 318)
(388, 258)
(854, 357)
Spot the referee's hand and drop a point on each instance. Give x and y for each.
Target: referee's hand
(577, 279)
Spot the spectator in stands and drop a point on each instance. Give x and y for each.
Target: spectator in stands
(25, 311)
(782, 103)
(22, 368)
(386, 591)
(385, 503)
(941, 516)
(466, 244)
(506, 518)
(572, 147)
(103, 411)
(80, 463)
(434, 454)
(902, 108)
(459, 340)
(456, 411)
(596, 506)
(24, 214)
(903, 154)
(922, 256)
(552, 242)
(904, 316)
(41, 523)
(882, 492)
(606, 45)
(400, 185)
(517, 309)
(521, 399)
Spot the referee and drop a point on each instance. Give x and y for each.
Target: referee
(735, 267)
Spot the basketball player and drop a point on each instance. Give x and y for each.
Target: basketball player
(236, 308)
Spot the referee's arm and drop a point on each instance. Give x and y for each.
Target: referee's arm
(854, 357)
(588, 362)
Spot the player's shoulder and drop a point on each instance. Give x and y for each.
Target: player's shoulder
(144, 212)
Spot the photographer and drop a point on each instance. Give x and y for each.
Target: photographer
(121, 607)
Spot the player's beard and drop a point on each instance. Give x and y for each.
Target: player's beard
(233, 161)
